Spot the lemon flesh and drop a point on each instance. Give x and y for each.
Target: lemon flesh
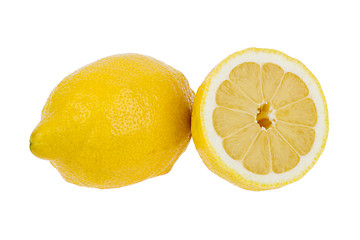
(115, 122)
(260, 119)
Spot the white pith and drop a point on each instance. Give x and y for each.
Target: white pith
(287, 65)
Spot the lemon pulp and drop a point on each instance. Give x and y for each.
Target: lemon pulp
(264, 117)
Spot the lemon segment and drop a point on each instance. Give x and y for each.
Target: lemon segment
(299, 137)
(228, 95)
(257, 159)
(238, 144)
(302, 112)
(227, 121)
(291, 89)
(284, 157)
(263, 119)
(271, 75)
(246, 76)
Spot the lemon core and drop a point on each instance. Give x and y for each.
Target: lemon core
(265, 118)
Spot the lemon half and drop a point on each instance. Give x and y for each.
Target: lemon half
(260, 119)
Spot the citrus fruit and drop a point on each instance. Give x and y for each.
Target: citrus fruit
(115, 122)
(260, 119)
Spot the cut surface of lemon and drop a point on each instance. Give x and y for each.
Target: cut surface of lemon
(260, 119)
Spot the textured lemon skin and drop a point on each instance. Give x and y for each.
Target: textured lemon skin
(209, 156)
(115, 122)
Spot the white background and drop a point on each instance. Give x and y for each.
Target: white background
(43, 41)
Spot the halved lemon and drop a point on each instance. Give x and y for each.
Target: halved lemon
(260, 119)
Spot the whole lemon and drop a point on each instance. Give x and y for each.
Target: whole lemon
(115, 122)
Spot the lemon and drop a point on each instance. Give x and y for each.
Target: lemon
(260, 119)
(115, 122)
